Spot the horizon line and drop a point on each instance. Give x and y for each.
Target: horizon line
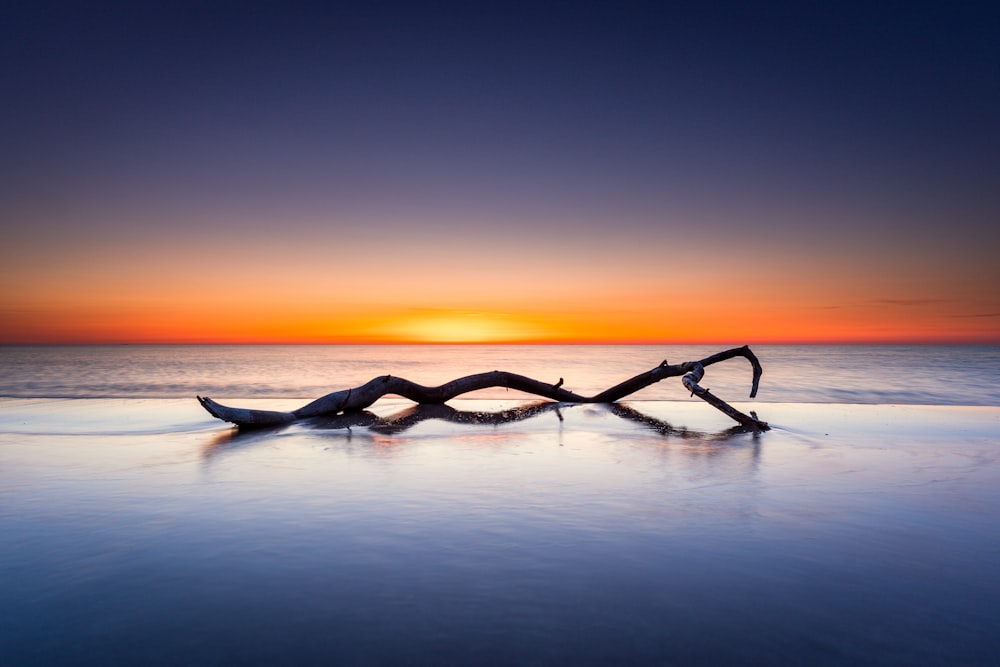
(424, 343)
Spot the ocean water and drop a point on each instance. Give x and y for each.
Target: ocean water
(906, 375)
(135, 529)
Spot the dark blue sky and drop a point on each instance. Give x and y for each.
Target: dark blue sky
(544, 101)
(806, 125)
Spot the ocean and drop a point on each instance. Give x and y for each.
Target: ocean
(862, 528)
(904, 375)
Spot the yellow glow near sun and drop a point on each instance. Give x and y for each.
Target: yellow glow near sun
(461, 327)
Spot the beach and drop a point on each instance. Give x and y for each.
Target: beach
(143, 531)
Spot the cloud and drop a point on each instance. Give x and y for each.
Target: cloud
(908, 302)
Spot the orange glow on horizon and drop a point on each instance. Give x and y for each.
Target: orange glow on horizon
(454, 326)
(596, 293)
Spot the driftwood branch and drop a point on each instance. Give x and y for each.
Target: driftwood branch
(359, 398)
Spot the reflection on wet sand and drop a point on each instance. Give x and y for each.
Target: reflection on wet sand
(667, 429)
(406, 419)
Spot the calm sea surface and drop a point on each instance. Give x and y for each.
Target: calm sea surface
(916, 375)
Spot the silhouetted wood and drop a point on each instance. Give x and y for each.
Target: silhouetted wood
(359, 398)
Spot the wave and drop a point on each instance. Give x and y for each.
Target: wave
(906, 375)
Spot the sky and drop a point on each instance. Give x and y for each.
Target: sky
(379, 172)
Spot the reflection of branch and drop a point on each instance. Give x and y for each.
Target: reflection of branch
(667, 429)
(359, 398)
(410, 417)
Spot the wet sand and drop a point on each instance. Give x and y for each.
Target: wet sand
(145, 532)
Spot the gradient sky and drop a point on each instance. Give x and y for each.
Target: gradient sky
(572, 171)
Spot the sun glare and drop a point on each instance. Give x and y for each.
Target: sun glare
(461, 327)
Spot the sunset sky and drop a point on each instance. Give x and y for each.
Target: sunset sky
(500, 172)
